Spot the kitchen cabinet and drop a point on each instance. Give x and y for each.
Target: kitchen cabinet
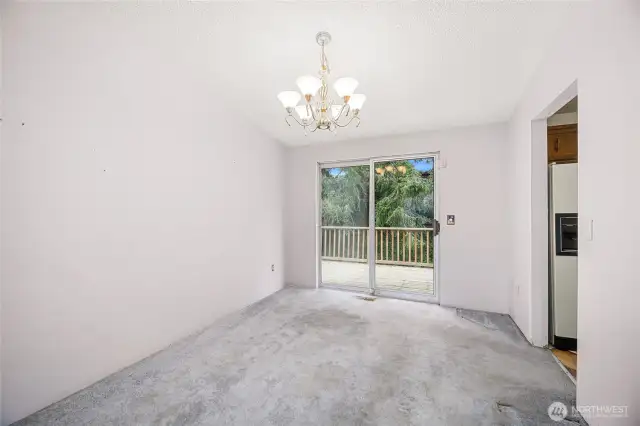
(562, 143)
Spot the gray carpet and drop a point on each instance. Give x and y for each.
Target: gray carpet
(307, 357)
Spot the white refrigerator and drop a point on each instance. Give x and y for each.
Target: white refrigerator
(563, 256)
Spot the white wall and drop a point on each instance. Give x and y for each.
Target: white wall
(600, 52)
(128, 196)
(473, 267)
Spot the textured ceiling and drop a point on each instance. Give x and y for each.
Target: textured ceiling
(422, 65)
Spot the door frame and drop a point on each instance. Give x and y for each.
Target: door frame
(370, 161)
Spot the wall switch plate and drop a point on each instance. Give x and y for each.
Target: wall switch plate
(451, 219)
(443, 163)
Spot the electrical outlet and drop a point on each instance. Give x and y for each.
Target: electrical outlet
(273, 267)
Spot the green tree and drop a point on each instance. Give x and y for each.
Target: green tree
(404, 196)
(345, 196)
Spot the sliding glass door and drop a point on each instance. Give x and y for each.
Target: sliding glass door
(377, 228)
(404, 226)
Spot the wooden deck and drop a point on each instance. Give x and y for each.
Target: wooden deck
(388, 277)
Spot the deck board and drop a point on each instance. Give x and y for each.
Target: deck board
(388, 277)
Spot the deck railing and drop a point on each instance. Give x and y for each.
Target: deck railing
(394, 246)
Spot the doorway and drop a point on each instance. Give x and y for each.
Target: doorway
(378, 231)
(562, 157)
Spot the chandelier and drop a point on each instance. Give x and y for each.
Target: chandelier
(319, 112)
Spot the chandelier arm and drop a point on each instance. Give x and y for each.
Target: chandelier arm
(313, 114)
(335, 121)
(286, 118)
(341, 112)
(342, 125)
(353, 117)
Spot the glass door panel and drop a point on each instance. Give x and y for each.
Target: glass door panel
(404, 226)
(344, 232)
